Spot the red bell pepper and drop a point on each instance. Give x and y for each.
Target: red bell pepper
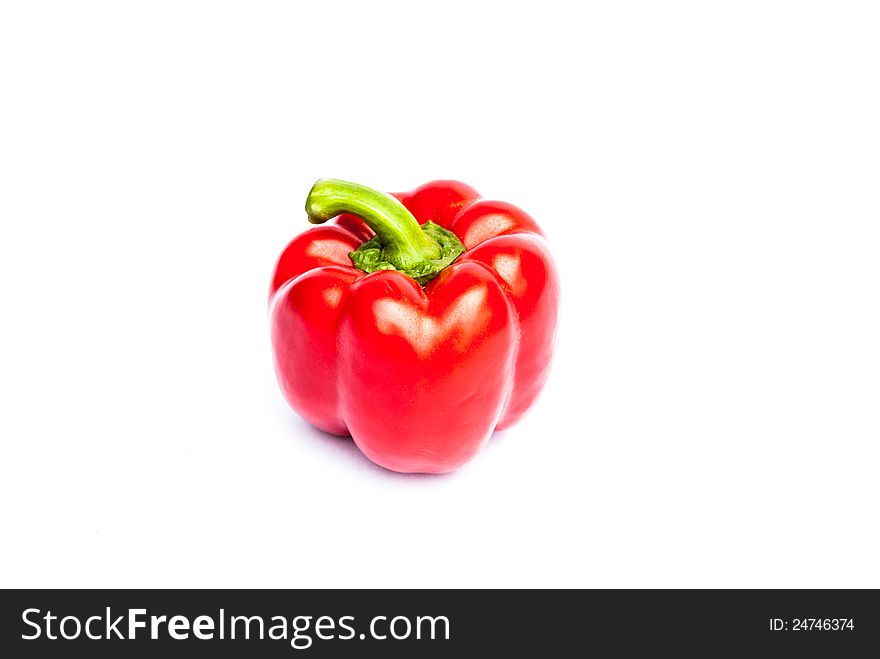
(416, 323)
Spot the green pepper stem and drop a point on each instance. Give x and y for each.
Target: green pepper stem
(404, 243)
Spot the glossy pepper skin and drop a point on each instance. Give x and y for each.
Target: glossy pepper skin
(419, 376)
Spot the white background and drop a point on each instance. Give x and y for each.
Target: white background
(707, 174)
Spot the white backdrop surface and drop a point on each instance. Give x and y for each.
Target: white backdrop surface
(707, 175)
